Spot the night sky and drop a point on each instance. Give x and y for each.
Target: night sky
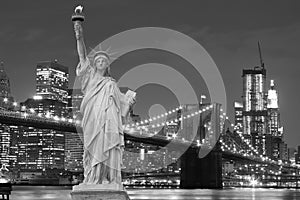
(40, 30)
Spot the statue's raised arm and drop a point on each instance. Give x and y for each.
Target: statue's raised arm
(80, 41)
(78, 19)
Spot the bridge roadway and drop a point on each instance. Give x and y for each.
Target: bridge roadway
(32, 120)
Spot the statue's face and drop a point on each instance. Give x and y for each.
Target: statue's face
(101, 62)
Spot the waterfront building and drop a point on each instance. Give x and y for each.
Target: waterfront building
(40, 149)
(74, 151)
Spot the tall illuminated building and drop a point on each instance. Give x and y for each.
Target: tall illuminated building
(52, 81)
(261, 117)
(255, 114)
(254, 101)
(274, 126)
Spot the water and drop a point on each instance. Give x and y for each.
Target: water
(63, 193)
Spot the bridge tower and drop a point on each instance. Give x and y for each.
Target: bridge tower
(203, 168)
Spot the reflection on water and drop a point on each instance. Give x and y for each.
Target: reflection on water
(63, 193)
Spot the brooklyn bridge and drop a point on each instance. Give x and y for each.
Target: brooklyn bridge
(208, 147)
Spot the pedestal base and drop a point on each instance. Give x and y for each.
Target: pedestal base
(99, 192)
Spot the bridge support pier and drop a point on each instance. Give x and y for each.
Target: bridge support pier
(199, 173)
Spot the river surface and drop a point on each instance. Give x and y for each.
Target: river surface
(63, 193)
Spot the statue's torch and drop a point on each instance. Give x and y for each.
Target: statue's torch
(77, 19)
(78, 15)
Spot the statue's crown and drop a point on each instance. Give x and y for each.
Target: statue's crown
(98, 51)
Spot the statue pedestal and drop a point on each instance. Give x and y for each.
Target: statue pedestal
(99, 192)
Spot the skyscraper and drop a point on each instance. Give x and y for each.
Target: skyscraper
(274, 126)
(254, 101)
(255, 115)
(40, 149)
(52, 81)
(261, 117)
(74, 151)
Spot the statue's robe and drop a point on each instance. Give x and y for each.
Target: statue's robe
(102, 126)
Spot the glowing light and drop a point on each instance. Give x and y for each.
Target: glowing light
(253, 182)
(37, 97)
(56, 118)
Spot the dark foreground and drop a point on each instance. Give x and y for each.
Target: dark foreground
(63, 193)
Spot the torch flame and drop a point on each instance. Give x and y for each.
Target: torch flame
(79, 9)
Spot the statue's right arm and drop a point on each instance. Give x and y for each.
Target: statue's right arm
(81, 49)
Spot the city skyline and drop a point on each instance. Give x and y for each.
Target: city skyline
(32, 33)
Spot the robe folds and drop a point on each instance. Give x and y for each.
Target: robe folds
(101, 108)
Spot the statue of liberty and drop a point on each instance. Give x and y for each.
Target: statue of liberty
(102, 108)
